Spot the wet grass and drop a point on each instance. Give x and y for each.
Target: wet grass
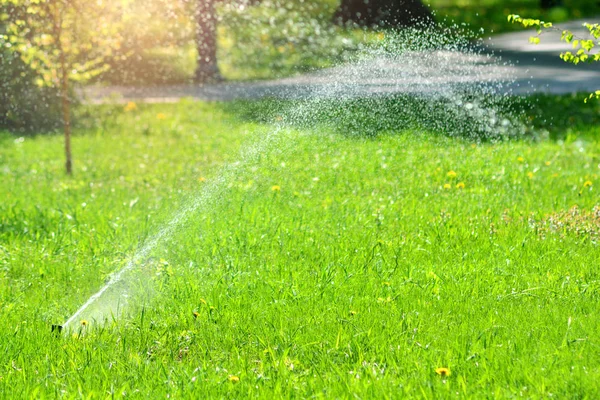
(328, 266)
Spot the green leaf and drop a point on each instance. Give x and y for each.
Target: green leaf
(588, 45)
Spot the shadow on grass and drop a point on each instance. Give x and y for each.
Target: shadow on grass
(472, 119)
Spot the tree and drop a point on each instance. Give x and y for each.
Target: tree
(207, 69)
(63, 41)
(385, 13)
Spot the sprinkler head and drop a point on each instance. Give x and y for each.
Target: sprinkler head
(57, 328)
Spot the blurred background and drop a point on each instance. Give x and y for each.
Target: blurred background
(158, 42)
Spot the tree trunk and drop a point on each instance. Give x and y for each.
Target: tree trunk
(66, 108)
(385, 13)
(64, 86)
(206, 36)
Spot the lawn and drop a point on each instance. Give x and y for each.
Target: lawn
(307, 262)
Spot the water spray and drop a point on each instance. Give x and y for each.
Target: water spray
(455, 86)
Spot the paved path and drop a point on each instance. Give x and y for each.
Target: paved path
(541, 65)
(507, 63)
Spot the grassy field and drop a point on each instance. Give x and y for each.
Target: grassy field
(316, 264)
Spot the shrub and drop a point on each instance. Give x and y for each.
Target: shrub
(25, 107)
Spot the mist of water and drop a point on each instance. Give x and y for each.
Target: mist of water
(411, 79)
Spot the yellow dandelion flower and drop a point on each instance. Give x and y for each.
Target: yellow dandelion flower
(161, 116)
(386, 284)
(202, 179)
(84, 322)
(460, 185)
(196, 314)
(443, 371)
(587, 184)
(353, 313)
(131, 106)
(276, 188)
(233, 378)
(380, 36)
(520, 159)
(530, 175)
(203, 301)
(451, 174)
(548, 163)
(447, 186)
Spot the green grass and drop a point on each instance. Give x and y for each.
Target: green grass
(328, 266)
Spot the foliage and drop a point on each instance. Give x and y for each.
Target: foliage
(583, 46)
(489, 16)
(276, 38)
(255, 39)
(44, 32)
(24, 106)
(331, 267)
(157, 45)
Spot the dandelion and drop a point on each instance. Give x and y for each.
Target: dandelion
(520, 159)
(442, 371)
(548, 163)
(202, 179)
(530, 175)
(84, 322)
(460, 185)
(587, 184)
(353, 313)
(131, 106)
(196, 314)
(447, 186)
(276, 188)
(451, 174)
(233, 378)
(380, 36)
(161, 116)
